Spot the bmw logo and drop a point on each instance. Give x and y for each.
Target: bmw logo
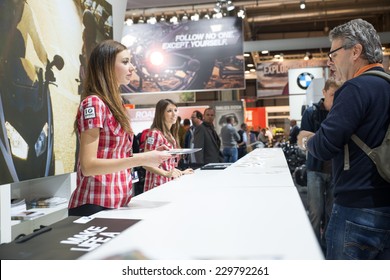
(304, 79)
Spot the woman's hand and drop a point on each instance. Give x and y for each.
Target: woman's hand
(188, 171)
(162, 148)
(155, 158)
(174, 173)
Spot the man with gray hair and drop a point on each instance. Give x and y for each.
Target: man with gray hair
(359, 227)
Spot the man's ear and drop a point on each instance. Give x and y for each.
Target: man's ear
(357, 51)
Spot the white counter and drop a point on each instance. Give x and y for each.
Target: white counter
(250, 210)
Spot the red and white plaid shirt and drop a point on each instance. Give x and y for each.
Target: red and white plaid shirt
(111, 190)
(154, 139)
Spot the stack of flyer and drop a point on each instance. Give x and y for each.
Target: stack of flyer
(18, 205)
(19, 210)
(46, 202)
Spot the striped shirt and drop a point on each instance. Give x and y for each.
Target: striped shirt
(154, 139)
(111, 190)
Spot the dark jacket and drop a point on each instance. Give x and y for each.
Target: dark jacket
(312, 118)
(241, 133)
(361, 106)
(205, 137)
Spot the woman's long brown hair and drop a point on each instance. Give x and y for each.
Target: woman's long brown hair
(101, 81)
(159, 123)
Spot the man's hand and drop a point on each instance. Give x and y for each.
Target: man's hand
(303, 137)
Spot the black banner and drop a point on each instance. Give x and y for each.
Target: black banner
(188, 56)
(65, 240)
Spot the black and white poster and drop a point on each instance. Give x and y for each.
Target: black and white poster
(188, 56)
(44, 45)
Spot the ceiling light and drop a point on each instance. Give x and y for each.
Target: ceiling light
(230, 6)
(223, 6)
(241, 13)
(206, 15)
(141, 19)
(174, 19)
(302, 5)
(129, 21)
(221, 9)
(152, 20)
(185, 17)
(195, 17)
(217, 15)
(217, 7)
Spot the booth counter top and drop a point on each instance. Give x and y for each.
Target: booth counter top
(250, 210)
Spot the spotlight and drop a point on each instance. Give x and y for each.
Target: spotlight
(224, 6)
(174, 19)
(185, 17)
(129, 21)
(141, 19)
(195, 17)
(152, 20)
(230, 6)
(217, 7)
(218, 15)
(302, 5)
(241, 13)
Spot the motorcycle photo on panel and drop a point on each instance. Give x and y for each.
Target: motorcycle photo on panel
(182, 57)
(26, 120)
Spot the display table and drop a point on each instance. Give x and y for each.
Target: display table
(251, 210)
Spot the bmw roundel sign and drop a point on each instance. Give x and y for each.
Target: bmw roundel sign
(299, 79)
(304, 79)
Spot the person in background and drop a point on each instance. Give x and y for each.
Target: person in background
(183, 130)
(319, 187)
(105, 135)
(359, 225)
(294, 131)
(252, 138)
(139, 186)
(242, 143)
(206, 137)
(262, 138)
(269, 136)
(163, 132)
(197, 119)
(229, 137)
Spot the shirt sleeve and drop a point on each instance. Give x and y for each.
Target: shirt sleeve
(91, 113)
(307, 122)
(153, 140)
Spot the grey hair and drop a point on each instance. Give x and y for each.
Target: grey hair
(358, 31)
